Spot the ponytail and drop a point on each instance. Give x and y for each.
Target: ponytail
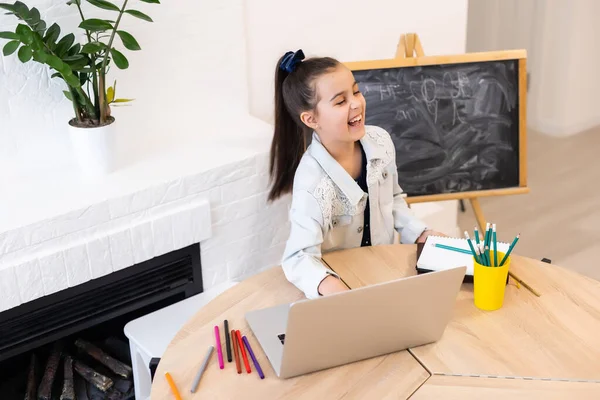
(295, 93)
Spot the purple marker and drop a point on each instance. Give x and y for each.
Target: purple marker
(254, 360)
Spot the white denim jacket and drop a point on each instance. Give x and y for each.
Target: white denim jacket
(328, 207)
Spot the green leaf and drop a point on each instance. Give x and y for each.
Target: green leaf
(71, 2)
(8, 7)
(10, 47)
(40, 27)
(25, 54)
(95, 25)
(33, 17)
(139, 14)
(9, 35)
(21, 8)
(56, 63)
(68, 95)
(78, 65)
(25, 33)
(92, 47)
(151, 1)
(63, 45)
(51, 35)
(74, 50)
(106, 5)
(76, 57)
(56, 75)
(129, 41)
(119, 59)
(123, 100)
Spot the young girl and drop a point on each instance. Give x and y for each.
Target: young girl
(345, 190)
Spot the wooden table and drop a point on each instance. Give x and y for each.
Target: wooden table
(393, 376)
(554, 337)
(474, 388)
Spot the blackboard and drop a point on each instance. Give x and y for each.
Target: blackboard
(457, 127)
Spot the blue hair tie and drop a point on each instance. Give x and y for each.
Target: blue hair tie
(291, 60)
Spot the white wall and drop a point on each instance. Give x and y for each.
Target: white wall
(563, 56)
(349, 30)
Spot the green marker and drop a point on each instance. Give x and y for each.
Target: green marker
(510, 249)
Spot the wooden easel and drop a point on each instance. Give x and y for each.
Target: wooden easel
(409, 46)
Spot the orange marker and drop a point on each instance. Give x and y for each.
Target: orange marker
(173, 387)
(243, 350)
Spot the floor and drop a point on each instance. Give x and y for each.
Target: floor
(560, 218)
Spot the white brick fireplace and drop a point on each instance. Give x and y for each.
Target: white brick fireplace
(220, 203)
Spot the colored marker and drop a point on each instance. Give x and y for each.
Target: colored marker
(202, 369)
(219, 350)
(227, 341)
(172, 385)
(254, 360)
(244, 356)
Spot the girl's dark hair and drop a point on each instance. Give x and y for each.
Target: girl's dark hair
(295, 92)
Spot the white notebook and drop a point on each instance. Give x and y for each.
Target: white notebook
(436, 259)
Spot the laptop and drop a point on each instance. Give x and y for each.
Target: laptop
(316, 334)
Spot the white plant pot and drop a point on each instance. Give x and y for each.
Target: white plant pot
(95, 149)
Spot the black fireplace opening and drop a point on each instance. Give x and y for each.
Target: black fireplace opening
(71, 343)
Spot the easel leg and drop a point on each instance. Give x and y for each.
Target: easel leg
(462, 205)
(478, 213)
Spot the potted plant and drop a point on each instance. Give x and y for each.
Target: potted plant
(83, 68)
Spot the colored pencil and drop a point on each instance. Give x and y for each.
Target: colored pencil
(519, 280)
(495, 246)
(244, 356)
(510, 249)
(172, 385)
(476, 236)
(219, 350)
(202, 369)
(483, 255)
(254, 360)
(471, 246)
(236, 352)
(227, 341)
(452, 248)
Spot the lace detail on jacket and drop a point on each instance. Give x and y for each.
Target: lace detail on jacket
(376, 166)
(333, 202)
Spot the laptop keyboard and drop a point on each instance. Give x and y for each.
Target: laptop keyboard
(281, 338)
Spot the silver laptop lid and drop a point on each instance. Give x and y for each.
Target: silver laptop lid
(370, 321)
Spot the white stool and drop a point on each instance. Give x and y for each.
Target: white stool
(150, 335)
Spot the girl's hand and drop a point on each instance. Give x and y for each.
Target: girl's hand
(330, 285)
(429, 232)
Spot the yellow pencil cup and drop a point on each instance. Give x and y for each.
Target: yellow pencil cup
(489, 283)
